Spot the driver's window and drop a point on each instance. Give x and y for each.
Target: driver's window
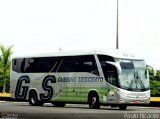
(109, 71)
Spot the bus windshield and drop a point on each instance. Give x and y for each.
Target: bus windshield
(134, 75)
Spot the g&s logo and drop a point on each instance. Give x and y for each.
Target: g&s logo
(22, 90)
(49, 89)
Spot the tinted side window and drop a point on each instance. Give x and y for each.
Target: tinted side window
(30, 65)
(79, 64)
(88, 64)
(18, 65)
(67, 64)
(38, 65)
(109, 71)
(47, 64)
(105, 58)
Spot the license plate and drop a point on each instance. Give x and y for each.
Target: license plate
(136, 101)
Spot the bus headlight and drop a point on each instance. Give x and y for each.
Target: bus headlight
(122, 94)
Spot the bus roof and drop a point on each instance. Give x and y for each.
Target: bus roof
(109, 52)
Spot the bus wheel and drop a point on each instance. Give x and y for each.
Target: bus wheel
(33, 99)
(58, 104)
(94, 101)
(122, 107)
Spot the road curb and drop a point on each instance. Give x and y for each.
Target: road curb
(5, 99)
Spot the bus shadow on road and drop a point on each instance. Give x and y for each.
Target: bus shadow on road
(86, 107)
(79, 106)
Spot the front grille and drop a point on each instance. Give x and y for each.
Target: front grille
(137, 95)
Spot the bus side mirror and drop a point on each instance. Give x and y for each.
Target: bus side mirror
(154, 70)
(118, 67)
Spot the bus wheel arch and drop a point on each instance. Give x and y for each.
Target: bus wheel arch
(33, 98)
(93, 100)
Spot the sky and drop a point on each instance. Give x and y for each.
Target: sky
(44, 26)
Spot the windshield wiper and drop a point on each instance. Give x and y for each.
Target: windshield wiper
(131, 85)
(136, 79)
(141, 83)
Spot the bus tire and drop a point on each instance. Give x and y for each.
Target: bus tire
(33, 99)
(94, 101)
(58, 104)
(122, 107)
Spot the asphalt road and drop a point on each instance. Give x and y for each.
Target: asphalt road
(18, 110)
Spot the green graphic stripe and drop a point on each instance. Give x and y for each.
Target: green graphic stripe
(73, 96)
(79, 91)
(98, 88)
(77, 97)
(70, 99)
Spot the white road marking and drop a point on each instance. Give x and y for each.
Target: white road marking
(20, 102)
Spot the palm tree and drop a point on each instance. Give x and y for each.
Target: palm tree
(5, 63)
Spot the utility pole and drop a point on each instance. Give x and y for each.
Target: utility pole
(117, 37)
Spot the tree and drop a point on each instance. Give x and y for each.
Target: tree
(154, 83)
(5, 64)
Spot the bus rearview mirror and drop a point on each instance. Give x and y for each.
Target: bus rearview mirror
(154, 70)
(118, 67)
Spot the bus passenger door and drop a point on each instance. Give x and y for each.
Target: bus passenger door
(111, 77)
(112, 96)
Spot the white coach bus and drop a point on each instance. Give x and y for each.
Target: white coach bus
(96, 78)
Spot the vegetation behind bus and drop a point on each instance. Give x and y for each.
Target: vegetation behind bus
(7, 81)
(154, 83)
(5, 54)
